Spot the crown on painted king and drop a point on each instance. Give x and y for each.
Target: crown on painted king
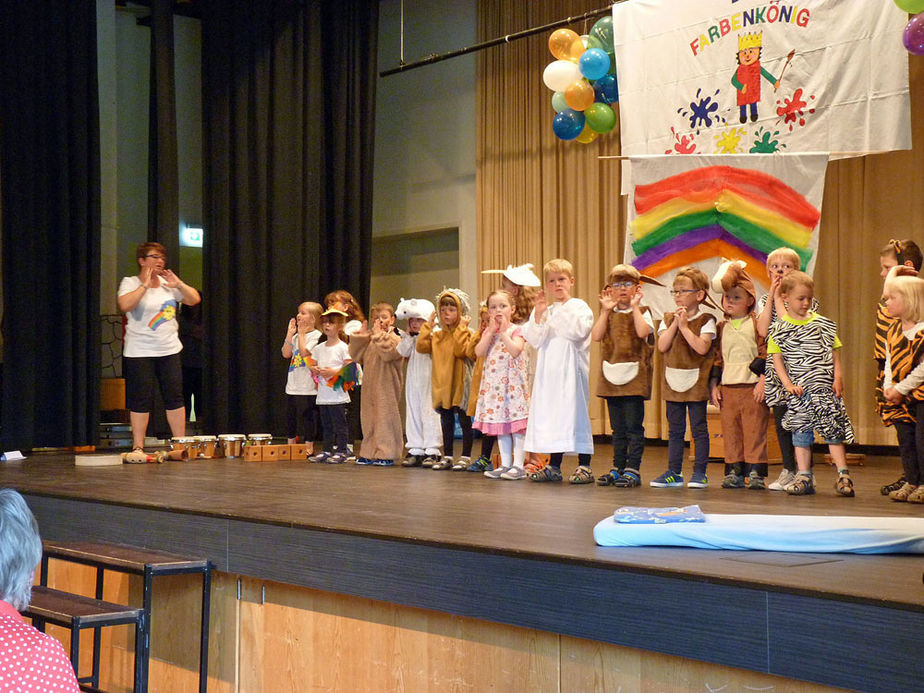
(750, 40)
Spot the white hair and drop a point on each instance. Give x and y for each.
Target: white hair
(20, 549)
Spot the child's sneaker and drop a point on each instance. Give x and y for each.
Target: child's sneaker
(482, 464)
(336, 458)
(844, 486)
(581, 475)
(412, 461)
(496, 473)
(514, 474)
(756, 482)
(320, 457)
(733, 480)
(443, 463)
(547, 473)
(429, 461)
(461, 464)
(383, 463)
(667, 480)
(363, 461)
(698, 480)
(785, 478)
(802, 485)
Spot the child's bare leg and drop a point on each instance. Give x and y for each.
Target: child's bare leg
(838, 455)
(804, 459)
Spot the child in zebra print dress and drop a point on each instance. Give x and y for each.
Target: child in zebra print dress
(804, 348)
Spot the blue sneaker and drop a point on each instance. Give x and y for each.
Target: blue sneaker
(667, 480)
(383, 463)
(482, 464)
(698, 480)
(364, 461)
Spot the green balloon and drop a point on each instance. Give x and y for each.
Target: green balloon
(910, 6)
(603, 31)
(600, 117)
(558, 101)
(594, 42)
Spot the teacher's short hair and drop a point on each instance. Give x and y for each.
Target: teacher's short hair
(20, 549)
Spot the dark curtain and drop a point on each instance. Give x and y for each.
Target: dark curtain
(288, 120)
(49, 162)
(163, 177)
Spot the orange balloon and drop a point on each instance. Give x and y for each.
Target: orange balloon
(587, 135)
(560, 44)
(579, 95)
(576, 50)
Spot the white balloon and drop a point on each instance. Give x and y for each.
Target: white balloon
(560, 73)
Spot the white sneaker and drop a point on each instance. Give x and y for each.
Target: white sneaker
(497, 473)
(785, 478)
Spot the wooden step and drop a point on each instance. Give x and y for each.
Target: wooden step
(77, 611)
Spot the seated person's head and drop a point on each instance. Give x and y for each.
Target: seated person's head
(20, 549)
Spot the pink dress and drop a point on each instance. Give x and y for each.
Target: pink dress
(503, 398)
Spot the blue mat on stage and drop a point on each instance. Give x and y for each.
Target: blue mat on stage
(789, 533)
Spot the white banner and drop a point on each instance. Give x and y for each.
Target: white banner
(759, 76)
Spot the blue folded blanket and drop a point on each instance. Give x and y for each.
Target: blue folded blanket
(789, 533)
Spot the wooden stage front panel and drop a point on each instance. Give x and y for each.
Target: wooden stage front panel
(443, 540)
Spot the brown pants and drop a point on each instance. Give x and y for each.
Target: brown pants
(744, 425)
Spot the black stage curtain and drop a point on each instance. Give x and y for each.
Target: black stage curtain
(288, 101)
(49, 162)
(163, 176)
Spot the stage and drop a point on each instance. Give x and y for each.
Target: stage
(445, 541)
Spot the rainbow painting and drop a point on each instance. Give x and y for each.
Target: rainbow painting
(719, 211)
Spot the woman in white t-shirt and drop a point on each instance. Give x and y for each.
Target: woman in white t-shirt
(151, 349)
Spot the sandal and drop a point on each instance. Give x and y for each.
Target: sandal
(581, 475)
(902, 494)
(844, 486)
(548, 473)
(917, 495)
(610, 478)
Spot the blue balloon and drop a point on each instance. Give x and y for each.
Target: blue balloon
(594, 63)
(606, 89)
(568, 124)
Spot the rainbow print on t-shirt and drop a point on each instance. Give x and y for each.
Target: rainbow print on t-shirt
(167, 313)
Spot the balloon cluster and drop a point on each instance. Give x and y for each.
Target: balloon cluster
(583, 77)
(913, 37)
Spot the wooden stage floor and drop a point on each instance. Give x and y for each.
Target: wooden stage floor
(444, 540)
(523, 519)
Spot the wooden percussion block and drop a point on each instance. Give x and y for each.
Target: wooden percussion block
(275, 452)
(253, 453)
(299, 451)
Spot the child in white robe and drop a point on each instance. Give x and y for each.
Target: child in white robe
(559, 328)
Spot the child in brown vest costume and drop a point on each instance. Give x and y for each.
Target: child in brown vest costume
(685, 338)
(626, 330)
(738, 380)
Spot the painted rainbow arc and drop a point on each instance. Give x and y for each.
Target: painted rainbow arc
(719, 211)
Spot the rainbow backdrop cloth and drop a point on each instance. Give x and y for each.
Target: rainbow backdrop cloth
(719, 211)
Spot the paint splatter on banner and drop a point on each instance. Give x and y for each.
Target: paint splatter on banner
(699, 210)
(761, 76)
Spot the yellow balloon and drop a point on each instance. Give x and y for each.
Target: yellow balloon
(560, 44)
(587, 135)
(579, 95)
